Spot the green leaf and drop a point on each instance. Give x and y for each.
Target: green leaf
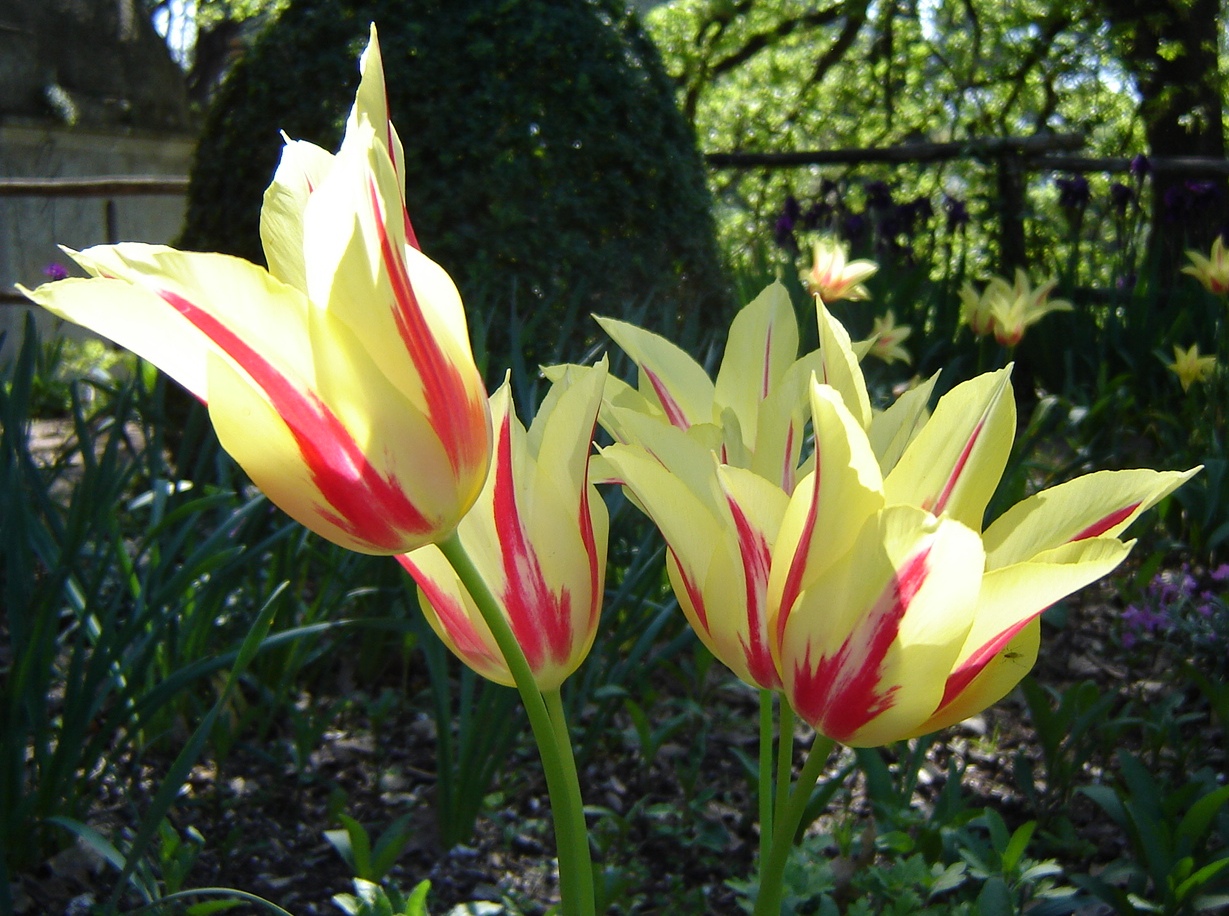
(1201, 814)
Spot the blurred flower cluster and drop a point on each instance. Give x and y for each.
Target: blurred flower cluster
(1189, 612)
(1006, 309)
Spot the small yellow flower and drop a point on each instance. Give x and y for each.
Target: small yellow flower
(832, 277)
(887, 338)
(1190, 367)
(1212, 272)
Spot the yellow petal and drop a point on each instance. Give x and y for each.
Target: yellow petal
(954, 464)
(829, 506)
(761, 346)
(668, 375)
(303, 166)
(892, 430)
(1101, 504)
(841, 369)
(1012, 598)
(176, 308)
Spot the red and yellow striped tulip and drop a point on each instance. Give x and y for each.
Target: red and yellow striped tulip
(719, 523)
(341, 379)
(891, 614)
(537, 535)
(753, 415)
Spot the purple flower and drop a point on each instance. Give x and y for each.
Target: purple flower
(1221, 573)
(1120, 197)
(55, 271)
(783, 233)
(1140, 165)
(1073, 193)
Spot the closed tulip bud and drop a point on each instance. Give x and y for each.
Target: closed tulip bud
(537, 536)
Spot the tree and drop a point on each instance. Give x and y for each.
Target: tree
(548, 169)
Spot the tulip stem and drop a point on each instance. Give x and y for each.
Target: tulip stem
(568, 811)
(765, 774)
(575, 870)
(785, 759)
(772, 869)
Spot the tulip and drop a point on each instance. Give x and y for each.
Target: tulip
(1211, 271)
(751, 416)
(719, 523)
(891, 613)
(831, 276)
(887, 339)
(341, 379)
(537, 536)
(1007, 310)
(1190, 367)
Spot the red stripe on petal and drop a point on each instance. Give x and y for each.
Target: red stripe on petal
(940, 502)
(540, 619)
(798, 563)
(455, 621)
(756, 555)
(1114, 518)
(694, 595)
(767, 363)
(461, 427)
(839, 694)
(364, 504)
(674, 413)
(960, 679)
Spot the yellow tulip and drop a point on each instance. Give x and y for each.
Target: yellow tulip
(832, 276)
(891, 613)
(341, 379)
(753, 414)
(1007, 310)
(887, 339)
(537, 535)
(1190, 367)
(719, 523)
(1211, 271)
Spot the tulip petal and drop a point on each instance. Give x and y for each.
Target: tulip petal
(1012, 598)
(781, 427)
(954, 465)
(395, 299)
(893, 430)
(303, 167)
(841, 368)
(668, 375)
(453, 615)
(761, 346)
(865, 651)
(158, 301)
(830, 506)
(1095, 505)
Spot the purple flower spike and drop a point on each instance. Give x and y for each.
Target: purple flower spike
(55, 271)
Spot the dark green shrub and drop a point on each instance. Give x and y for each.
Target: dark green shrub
(548, 169)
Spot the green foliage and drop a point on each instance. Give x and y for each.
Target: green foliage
(369, 861)
(371, 899)
(546, 163)
(1178, 843)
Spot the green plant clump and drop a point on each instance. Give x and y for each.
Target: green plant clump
(547, 167)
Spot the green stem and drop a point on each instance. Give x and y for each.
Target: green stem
(568, 811)
(785, 759)
(765, 774)
(561, 780)
(772, 869)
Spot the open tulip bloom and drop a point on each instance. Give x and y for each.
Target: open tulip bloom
(886, 609)
(848, 573)
(340, 379)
